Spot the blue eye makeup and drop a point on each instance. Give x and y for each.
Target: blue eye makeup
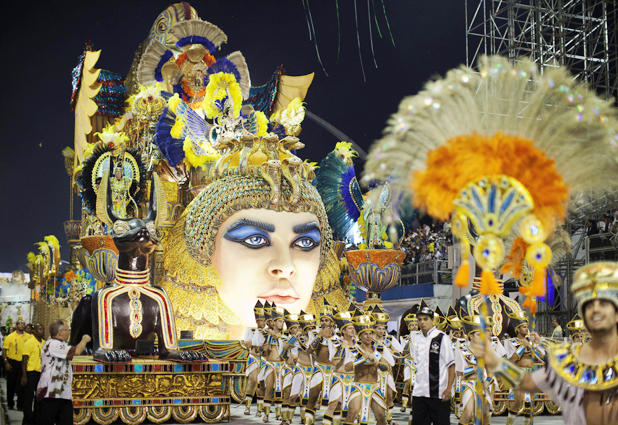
(308, 240)
(249, 236)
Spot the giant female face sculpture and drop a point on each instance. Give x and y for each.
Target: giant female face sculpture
(259, 231)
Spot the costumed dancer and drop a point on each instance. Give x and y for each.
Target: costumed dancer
(386, 342)
(409, 371)
(459, 341)
(343, 377)
(578, 330)
(323, 348)
(259, 338)
(303, 372)
(496, 146)
(275, 364)
(465, 366)
(581, 379)
(435, 374)
(291, 347)
(253, 362)
(524, 350)
(367, 361)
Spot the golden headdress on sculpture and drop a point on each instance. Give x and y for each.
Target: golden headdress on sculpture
(250, 172)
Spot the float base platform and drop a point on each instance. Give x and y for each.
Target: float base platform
(149, 389)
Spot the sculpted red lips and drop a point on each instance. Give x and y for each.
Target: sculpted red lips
(279, 296)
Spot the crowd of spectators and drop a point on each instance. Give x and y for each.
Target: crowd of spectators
(427, 242)
(607, 227)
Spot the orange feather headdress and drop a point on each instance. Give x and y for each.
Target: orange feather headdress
(501, 148)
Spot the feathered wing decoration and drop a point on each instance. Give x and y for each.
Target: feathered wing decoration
(86, 192)
(343, 200)
(195, 126)
(171, 147)
(153, 59)
(192, 32)
(240, 63)
(182, 135)
(54, 244)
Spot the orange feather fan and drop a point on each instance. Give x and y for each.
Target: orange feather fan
(516, 258)
(464, 159)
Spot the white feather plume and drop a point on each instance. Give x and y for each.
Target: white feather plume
(245, 80)
(149, 62)
(562, 117)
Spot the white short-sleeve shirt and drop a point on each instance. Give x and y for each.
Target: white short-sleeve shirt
(421, 350)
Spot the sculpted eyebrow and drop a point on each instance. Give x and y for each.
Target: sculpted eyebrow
(267, 227)
(302, 228)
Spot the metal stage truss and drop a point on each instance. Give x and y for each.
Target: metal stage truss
(579, 34)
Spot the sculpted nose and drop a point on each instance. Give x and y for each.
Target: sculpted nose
(282, 266)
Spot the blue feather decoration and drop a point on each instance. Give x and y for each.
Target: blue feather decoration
(166, 56)
(196, 39)
(336, 183)
(222, 65)
(351, 193)
(170, 147)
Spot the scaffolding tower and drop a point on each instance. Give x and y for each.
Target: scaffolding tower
(578, 34)
(581, 35)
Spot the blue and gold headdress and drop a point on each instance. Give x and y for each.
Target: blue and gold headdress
(363, 323)
(306, 320)
(381, 317)
(258, 310)
(277, 312)
(291, 320)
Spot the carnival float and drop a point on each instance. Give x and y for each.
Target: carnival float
(163, 159)
(185, 170)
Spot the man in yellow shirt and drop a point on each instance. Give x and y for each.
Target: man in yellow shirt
(11, 353)
(31, 372)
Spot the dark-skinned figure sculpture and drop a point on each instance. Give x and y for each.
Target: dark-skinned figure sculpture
(130, 309)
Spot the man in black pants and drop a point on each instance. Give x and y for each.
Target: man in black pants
(435, 372)
(11, 352)
(31, 372)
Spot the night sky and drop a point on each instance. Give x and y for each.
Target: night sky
(43, 41)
